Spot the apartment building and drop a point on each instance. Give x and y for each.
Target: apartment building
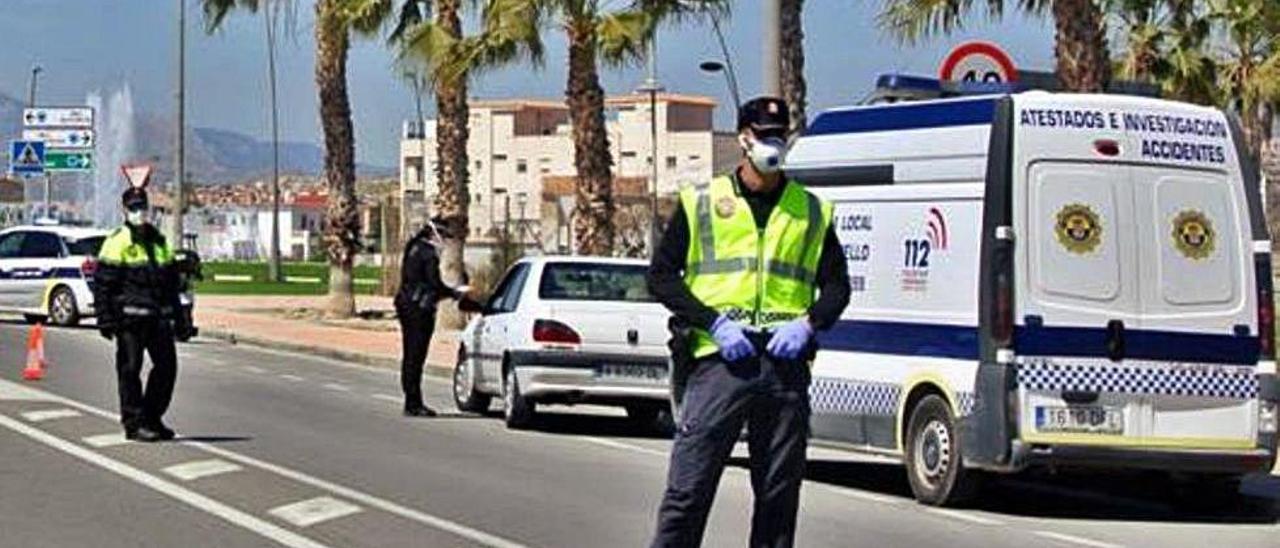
(518, 146)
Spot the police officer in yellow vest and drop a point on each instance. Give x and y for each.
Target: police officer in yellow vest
(751, 262)
(136, 291)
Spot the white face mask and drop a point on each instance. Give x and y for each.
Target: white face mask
(766, 154)
(136, 217)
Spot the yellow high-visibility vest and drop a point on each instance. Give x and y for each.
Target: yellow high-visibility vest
(757, 277)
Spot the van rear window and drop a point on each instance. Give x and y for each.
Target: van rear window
(85, 246)
(594, 282)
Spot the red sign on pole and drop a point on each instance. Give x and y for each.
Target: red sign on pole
(978, 61)
(138, 175)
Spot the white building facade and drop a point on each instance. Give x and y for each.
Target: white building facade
(516, 145)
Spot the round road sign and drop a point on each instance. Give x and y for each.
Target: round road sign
(978, 61)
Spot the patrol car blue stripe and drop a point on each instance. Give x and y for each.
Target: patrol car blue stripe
(904, 116)
(36, 274)
(961, 342)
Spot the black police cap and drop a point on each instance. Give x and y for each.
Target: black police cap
(134, 198)
(764, 115)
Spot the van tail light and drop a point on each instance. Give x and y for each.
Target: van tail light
(551, 331)
(1002, 327)
(1266, 307)
(1107, 147)
(88, 267)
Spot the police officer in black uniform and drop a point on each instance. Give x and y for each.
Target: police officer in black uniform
(421, 290)
(753, 376)
(136, 288)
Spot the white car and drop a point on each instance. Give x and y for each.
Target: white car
(45, 272)
(567, 330)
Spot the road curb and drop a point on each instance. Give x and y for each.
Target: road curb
(350, 356)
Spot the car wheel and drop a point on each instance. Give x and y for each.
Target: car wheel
(62, 307)
(519, 410)
(935, 466)
(465, 395)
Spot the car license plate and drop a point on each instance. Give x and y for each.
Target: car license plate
(1086, 419)
(631, 372)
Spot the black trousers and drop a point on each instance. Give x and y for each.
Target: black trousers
(772, 399)
(416, 328)
(154, 337)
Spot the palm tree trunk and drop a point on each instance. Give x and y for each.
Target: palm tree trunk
(593, 215)
(342, 223)
(454, 198)
(794, 89)
(1084, 64)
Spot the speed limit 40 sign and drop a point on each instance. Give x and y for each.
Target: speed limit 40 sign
(978, 61)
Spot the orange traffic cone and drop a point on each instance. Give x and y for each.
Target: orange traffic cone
(35, 355)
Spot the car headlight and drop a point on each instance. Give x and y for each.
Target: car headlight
(1267, 417)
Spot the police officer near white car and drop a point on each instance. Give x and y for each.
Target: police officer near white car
(751, 266)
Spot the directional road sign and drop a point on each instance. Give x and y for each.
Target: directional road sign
(61, 138)
(68, 160)
(65, 117)
(26, 157)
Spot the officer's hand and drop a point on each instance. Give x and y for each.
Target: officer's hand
(790, 340)
(732, 340)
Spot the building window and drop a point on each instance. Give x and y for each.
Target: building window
(628, 154)
(694, 158)
(478, 197)
(671, 162)
(499, 157)
(479, 164)
(522, 166)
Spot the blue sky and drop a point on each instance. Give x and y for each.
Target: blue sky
(88, 45)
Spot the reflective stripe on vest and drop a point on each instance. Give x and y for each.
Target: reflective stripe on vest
(758, 277)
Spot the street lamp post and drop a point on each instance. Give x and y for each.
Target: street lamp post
(274, 268)
(505, 241)
(31, 90)
(522, 199)
(180, 167)
(652, 87)
(772, 44)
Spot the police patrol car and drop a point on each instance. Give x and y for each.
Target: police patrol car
(45, 272)
(1045, 279)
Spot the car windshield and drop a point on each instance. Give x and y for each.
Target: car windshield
(594, 282)
(85, 246)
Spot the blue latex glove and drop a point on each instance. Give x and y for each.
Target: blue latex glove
(732, 340)
(790, 340)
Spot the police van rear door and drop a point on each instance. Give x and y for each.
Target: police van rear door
(1125, 339)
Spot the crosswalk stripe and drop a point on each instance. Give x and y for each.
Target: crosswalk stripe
(197, 469)
(312, 511)
(100, 441)
(50, 414)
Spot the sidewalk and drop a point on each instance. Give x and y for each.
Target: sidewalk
(289, 323)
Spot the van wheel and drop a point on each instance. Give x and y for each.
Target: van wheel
(519, 410)
(934, 462)
(62, 307)
(465, 395)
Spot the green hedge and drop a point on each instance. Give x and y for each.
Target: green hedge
(259, 285)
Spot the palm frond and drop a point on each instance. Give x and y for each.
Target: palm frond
(623, 36)
(366, 17)
(411, 14)
(216, 11)
(912, 20)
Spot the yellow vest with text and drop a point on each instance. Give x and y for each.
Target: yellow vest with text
(757, 277)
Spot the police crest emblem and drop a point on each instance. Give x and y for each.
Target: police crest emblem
(1078, 228)
(726, 206)
(1193, 234)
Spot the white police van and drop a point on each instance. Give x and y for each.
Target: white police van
(1045, 279)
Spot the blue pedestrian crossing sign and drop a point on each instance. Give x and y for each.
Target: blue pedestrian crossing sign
(26, 157)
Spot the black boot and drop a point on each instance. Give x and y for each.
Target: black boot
(144, 434)
(418, 410)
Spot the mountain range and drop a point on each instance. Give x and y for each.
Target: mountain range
(213, 156)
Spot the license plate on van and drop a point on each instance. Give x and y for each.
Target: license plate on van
(631, 372)
(1086, 419)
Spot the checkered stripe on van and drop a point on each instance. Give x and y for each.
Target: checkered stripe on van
(966, 402)
(840, 396)
(1230, 382)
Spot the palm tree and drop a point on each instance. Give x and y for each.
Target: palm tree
(1080, 43)
(1165, 43)
(794, 90)
(336, 22)
(446, 58)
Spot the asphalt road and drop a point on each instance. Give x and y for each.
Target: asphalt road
(286, 449)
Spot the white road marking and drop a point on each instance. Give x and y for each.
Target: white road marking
(1072, 539)
(293, 378)
(366, 499)
(50, 414)
(12, 391)
(197, 469)
(312, 511)
(106, 440)
(605, 442)
(253, 369)
(337, 387)
(856, 494)
(962, 516)
(191, 498)
(386, 397)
